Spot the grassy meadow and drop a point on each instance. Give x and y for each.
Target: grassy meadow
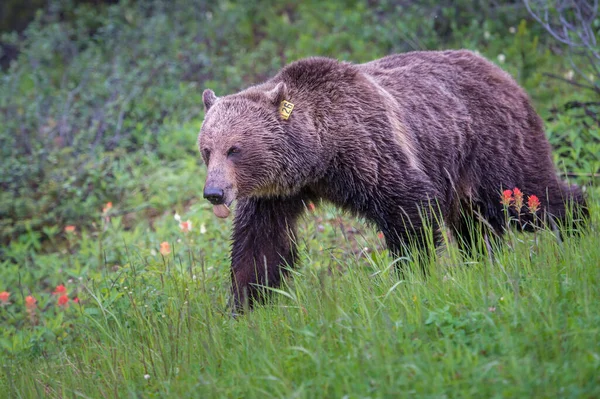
(114, 272)
(526, 325)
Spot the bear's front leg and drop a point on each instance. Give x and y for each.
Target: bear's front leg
(263, 242)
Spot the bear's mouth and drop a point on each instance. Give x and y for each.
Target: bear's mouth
(221, 211)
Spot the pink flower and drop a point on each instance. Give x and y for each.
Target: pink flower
(4, 295)
(70, 229)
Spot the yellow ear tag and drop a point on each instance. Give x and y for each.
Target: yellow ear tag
(285, 109)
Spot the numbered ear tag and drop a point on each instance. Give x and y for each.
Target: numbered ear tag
(285, 109)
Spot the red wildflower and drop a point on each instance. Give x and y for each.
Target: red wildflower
(60, 290)
(69, 229)
(4, 295)
(311, 206)
(380, 235)
(507, 198)
(518, 198)
(76, 300)
(63, 301)
(30, 303)
(165, 248)
(186, 227)
(533, 203)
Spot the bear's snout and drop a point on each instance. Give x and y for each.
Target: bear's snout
(214, 195)
(220, 194)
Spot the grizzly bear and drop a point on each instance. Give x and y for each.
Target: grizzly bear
(407, 142)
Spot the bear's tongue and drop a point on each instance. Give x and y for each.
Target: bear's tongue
(221, 211)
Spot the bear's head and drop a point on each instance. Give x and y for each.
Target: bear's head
(243, 145)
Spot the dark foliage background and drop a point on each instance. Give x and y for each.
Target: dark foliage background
(99, 100)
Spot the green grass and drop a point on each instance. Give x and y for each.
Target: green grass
(526, 325)
(345, 326)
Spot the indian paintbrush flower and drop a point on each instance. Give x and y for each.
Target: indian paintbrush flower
(60, 290)
(533, 203)
(30, 303)
(186, 227)
(165, 248)
(518, 198)
(107, 207)
(507, 198)
(63, 301)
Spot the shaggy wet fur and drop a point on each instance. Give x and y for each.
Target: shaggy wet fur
(388, 140)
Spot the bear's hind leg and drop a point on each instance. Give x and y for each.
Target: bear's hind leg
(410, 234)
(474, 232)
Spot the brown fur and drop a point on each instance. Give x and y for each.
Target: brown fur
(384, 140)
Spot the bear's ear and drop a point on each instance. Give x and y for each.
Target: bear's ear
(209, 98)
(278, 93)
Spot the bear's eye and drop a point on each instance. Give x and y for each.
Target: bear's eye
(233, 150)
(207, 155)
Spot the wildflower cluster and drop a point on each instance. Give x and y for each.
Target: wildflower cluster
(514, 198)
(185, 226)
(31, 303)
(63, 298)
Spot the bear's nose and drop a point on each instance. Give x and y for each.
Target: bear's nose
(214, 195)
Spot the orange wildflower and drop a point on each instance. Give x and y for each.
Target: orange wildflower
(533, 203)
(186, 227)
(69, 229)
(107, 207)
(507, 197)
(4, 295)
(60, 290)
(518, 198)
(63, 301)
(165, 248)
(30, 303)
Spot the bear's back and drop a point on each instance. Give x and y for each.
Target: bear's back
(461, 71)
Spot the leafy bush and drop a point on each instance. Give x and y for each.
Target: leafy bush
(576, 140)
